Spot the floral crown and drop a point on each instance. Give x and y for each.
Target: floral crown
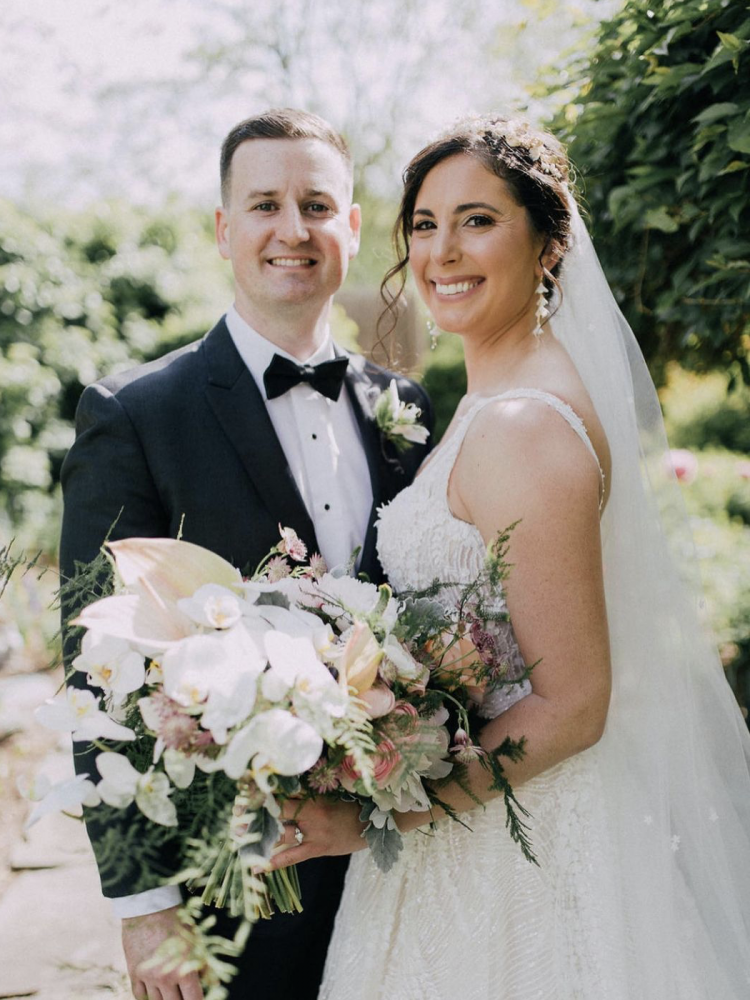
(515, 137)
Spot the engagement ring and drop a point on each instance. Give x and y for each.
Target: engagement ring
(298, 834)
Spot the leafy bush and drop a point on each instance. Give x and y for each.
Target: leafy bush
(84, 294)
(660, 129)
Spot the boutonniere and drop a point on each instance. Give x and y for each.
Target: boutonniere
(399, 421)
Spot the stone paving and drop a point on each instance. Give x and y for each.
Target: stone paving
(58, 938)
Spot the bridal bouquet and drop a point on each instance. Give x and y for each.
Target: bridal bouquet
(223, 696)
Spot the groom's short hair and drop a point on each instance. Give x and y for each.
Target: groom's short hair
(279, 123)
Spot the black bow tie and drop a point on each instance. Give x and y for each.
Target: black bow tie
(327, 378)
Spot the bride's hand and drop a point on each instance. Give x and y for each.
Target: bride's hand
(459, 663)
(327, 828)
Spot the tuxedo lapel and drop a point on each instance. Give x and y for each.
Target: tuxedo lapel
(241, 411)
(363, 392)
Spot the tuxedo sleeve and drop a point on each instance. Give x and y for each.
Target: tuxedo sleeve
(107, 489)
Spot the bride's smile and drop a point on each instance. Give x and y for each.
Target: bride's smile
(474, 251)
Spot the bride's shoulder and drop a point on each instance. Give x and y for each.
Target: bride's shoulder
(535, 437)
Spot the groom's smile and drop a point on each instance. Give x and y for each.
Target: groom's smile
(288, 227)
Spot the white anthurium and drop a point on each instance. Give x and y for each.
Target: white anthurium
(179, 767)
(141, 619)
(173, 568)
(79, 714)
(122, 784)
(274, 741)
(62, 797)
(110, 663)
(212, 606)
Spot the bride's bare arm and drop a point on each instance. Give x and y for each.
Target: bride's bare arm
(522, 462)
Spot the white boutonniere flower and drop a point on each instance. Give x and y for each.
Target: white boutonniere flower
(399, 421)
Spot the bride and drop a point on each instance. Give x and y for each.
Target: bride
(636, 763)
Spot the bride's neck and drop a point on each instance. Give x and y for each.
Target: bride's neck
(495, 363)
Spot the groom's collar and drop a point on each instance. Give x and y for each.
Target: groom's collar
(257, 352)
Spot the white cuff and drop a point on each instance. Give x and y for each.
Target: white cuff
(142, 903)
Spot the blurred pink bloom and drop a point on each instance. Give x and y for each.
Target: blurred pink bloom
(684, 464)
(278, 568)
(317, 567)
(743, 469)
(292, 545)
(322, 778)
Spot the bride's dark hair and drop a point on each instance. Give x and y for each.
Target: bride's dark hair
(532, 162)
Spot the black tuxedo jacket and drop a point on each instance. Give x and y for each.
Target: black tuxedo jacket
(186, 442)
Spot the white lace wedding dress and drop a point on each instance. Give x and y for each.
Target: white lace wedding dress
(462, 915)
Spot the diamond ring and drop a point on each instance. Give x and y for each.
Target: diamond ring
(298, 834)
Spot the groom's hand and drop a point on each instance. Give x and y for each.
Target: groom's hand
(141, 936)
(327, 828)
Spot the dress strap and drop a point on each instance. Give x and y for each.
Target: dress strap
(560, 406)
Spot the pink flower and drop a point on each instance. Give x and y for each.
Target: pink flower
(292, 545)
(465, 751)
(684, 464)
(742, 469)
(317, 566)
(322, 777)
(385, 761)
(379, 701)
(176, 729)
(277, 569)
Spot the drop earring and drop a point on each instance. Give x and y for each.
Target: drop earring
(433, 331)
(542, 312)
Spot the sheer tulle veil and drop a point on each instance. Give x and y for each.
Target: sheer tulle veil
(675, 756)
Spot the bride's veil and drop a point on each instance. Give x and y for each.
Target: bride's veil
(675, 755)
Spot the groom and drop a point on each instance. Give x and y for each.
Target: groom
(262, 422)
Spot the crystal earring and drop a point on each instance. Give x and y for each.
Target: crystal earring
(542, 312)
(433, 331)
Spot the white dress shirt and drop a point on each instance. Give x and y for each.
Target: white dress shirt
(322, 444)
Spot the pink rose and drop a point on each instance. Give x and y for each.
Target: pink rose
(386, 759)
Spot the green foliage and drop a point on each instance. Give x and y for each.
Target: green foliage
(82, 295)
(660, 131)
(699, 413)
(445, 380)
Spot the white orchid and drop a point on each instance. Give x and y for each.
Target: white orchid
(79, 714)
(274, 741)
(179, 767)
(293, 663)
(216, 675)
(212, 606)
(62, 797)
(123, 784)
(110, 663)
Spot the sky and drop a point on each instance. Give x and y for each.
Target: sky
(113, 99)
